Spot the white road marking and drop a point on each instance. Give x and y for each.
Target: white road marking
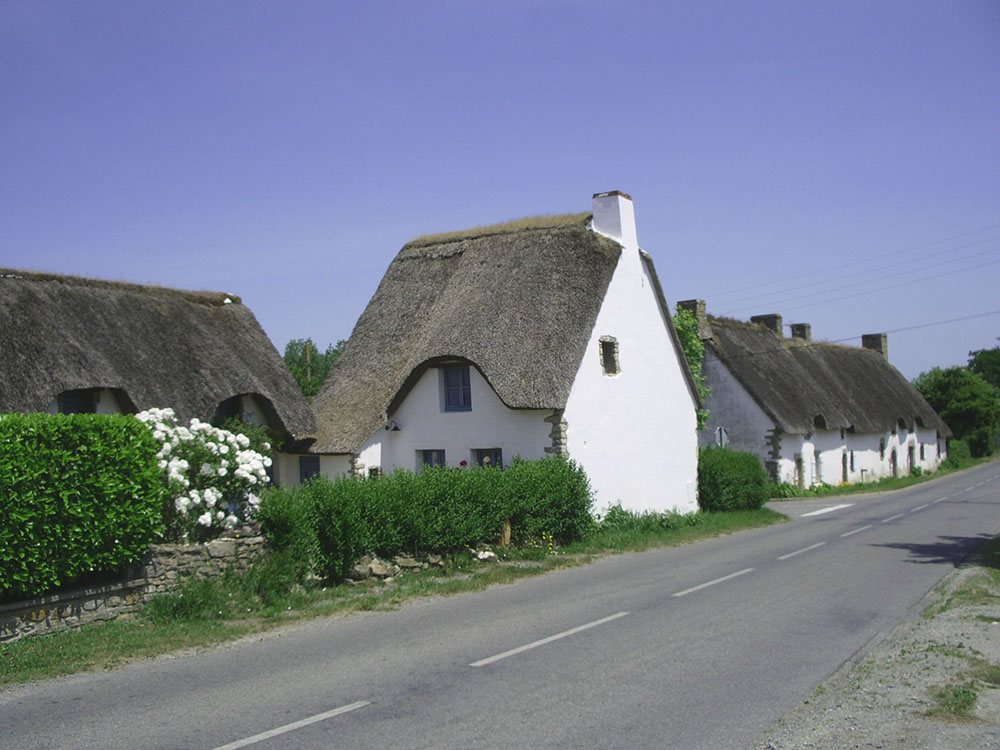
(826, 510)
(800, 551)
(293, 726)
(919, 507)
(940, 500)
(863, 528)
(685, 592)
(543, 641)
(893, 518)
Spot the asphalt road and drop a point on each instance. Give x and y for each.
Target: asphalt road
(694, 647)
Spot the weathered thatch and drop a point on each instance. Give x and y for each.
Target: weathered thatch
(795, 381)
(519, 301)
(162, 347)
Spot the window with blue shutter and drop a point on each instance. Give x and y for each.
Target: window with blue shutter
(457, 389)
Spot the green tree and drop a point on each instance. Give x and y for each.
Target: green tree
(986, 364)
(694, 352)
(966, 402)
(308, 365)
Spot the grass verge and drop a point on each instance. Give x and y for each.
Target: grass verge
(209, 612)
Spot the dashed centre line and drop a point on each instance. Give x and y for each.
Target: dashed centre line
(549, 639)
(691, 590)
(919, 507)
(893, 518)
(800, 551)
(293, 726)
(855, 531)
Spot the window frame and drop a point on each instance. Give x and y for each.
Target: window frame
(456, 396)
(438, 457)
(610, 356)
(493, 455)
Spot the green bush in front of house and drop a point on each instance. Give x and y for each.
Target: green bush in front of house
(440, 510)
(79, 494)
(730, 480)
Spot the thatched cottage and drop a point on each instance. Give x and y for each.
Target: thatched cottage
(545, 336)
(814, 412)
(70, 344)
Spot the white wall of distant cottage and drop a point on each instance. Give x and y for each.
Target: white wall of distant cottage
(634, 432)
(821, 454)
(425, 425)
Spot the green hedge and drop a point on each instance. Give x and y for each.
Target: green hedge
(79, 494)
(730, 480)
(333, 523)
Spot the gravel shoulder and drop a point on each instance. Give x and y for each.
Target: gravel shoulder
(886, 696)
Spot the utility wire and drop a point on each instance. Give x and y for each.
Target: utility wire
(880, 286)
(784, 281)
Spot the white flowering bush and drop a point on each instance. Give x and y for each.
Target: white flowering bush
(211, 474)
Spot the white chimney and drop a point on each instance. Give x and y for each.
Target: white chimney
(614, 217)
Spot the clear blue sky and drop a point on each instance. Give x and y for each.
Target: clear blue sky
(837, 162)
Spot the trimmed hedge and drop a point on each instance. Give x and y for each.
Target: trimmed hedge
(730, 480)
(79, 494)
(333, 523)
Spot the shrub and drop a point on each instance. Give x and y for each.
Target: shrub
(209, 474)
(730, 480)
(79, 494)
(959, 454)
(333, 522)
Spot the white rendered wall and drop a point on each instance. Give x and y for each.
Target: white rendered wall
(634, 433)
(732, 408)
(425, 425)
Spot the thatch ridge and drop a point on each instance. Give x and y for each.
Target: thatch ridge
(520, 304)
(528, 223)
(162, 347)
(201, 297)
(794, 381)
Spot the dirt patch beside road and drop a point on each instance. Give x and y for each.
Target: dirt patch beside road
(933, 683)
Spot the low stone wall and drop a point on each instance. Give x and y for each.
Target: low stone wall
(164, 569)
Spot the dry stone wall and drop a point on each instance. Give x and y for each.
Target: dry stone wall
(164, 569)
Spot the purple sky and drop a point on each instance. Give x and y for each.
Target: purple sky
(836, 162)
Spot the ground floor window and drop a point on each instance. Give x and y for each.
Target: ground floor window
(308, 467)
(430, 457)
(487, 457)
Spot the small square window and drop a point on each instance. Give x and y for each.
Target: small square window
(457, 388)
(308, 467)
(432, 457)
(487, 457)
(609, 355)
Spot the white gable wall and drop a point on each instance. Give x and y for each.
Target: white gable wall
(733, 409)
(634, 433)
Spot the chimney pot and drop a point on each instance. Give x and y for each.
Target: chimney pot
(877, 342)
(771, 322)
(802, 331)
(697, 308)
(614, 217)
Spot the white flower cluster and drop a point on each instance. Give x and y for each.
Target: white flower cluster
(209, 471)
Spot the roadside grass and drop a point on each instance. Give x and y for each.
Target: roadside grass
(209, 612)
(954, 702)
(983, 588)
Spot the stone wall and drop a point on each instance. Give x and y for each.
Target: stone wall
(164, 569)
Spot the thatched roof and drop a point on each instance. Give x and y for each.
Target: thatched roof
(519, 301)
(162, 347)
(795, 380)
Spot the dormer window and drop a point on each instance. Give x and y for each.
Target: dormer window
(457, 388)
(80, 401)
(609, 355)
